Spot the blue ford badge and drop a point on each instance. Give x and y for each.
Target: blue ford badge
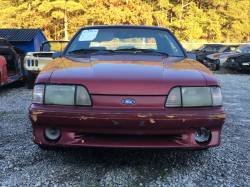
(128, 101)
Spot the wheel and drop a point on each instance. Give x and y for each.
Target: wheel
(217, 67)
(213, 67)
(30, 80)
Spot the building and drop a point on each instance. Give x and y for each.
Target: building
(27, 40)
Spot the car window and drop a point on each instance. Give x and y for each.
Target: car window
(221, 49)
(126, 38)
(244, 49)
(117, 43)
(229, 49)
(213, 48)
(56, 46)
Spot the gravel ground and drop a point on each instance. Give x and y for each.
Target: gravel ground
(22, 163)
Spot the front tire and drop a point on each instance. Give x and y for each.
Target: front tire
(215, 67)
(30, 80)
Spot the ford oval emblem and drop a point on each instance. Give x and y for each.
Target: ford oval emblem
(128, 101)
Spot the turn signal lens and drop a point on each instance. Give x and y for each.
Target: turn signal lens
(217, 96)
(174, 98)
(82, 97)
(38, 94)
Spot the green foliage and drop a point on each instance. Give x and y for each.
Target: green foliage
(190, 20)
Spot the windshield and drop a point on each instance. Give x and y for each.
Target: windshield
(229, 48)
(244, 49)
(126, 40)
(212, 48)
(56, 46)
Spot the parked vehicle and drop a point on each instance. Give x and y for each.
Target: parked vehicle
(35, 61)
(216, 60)
(207, 49)
(10, 63)
(239, 62)
(3, 71)
(126, 86)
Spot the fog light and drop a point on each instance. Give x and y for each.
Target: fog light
(52, 134)
(203, 135)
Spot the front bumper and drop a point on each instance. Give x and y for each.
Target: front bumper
(245, 66)
(232, 65)
(239, 66)
(145, 128)
(211, 63)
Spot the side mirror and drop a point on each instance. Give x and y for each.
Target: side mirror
(191, 55)
(57, 55)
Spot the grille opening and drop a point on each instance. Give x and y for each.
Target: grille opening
(124, 137)
(45, 55)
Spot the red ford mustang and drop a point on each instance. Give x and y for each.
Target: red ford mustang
(126, 86)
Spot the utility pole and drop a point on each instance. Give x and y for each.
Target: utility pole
(66, 23)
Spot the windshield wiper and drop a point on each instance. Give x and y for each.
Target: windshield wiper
(136, 50)
(89, 51)
(154, 51)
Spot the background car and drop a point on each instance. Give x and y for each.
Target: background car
(207, 49)
(35, 61)
(216, 60)
(3, 71)
(11, 62)
(239, 62)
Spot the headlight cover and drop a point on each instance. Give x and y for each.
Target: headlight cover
(57, 94)
(216, 96)
(194, 97)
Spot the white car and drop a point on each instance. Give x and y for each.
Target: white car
(35, 61)
(217, 60)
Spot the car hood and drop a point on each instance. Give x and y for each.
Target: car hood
(127, 74)
(215, 56)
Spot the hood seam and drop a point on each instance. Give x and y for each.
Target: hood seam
(202, 74)
(51, 76)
